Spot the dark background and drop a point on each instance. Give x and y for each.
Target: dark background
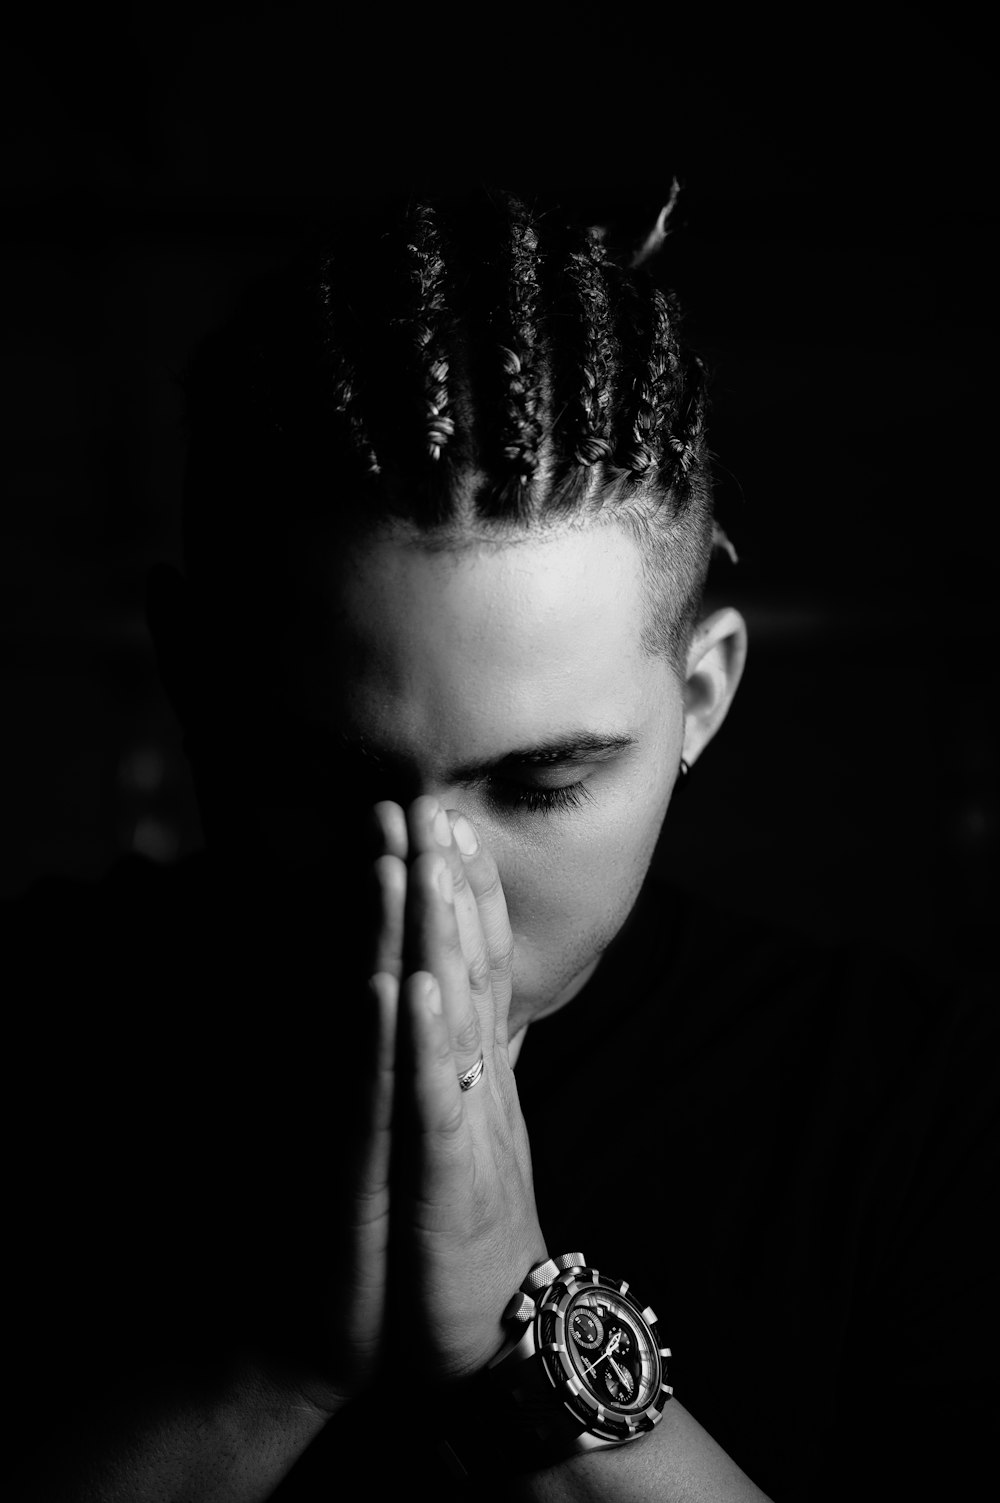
(836, 256)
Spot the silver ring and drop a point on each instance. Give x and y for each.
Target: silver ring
(472, 1077)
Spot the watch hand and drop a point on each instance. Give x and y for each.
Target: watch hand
(612, 1346)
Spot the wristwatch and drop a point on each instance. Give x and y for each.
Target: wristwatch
(582, 1369)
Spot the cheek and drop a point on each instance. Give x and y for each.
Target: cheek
(571, 880)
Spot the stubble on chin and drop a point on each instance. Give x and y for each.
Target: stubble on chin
(548, 978)
(544, 985)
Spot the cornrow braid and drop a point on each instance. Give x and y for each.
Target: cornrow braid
(586, 271)
(654, 389)
(344, 383)
(687, 441)
(522, 427)
(479, 366)
(428, 276)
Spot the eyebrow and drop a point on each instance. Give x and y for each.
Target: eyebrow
(572, 747)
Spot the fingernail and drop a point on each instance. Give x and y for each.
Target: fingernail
(445, 885)
(465, 836)
(432, 995)
(442, 829)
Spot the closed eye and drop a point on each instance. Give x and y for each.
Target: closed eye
(534, 800)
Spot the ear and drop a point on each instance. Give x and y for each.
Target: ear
(714, 668)
(170, 622)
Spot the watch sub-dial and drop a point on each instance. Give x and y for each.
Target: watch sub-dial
(586, 1330)
(619, 1382)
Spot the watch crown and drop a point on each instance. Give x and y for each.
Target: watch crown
(548, 1270)
(520, 1307)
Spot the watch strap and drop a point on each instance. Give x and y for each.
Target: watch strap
(497, 1430)
(509, 1419)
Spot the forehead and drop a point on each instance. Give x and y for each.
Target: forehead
(467, 650)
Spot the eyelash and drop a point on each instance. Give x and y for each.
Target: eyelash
(542, 800)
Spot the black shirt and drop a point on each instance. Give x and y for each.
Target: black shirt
(788, 1150)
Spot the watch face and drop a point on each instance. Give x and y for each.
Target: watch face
(612, 1350)
(602, 1352)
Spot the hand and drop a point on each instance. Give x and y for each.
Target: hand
(464, 1206)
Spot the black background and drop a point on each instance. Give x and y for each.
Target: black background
(836, 248)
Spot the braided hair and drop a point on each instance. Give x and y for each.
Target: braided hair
(521, 357)
(465, 367)
(427, 279)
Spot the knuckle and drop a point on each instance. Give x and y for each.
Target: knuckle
(442, 1052)
(450, 1124)
(490, 889)
(469, 1036)
(451, 942)
(502, 954)
(480, 972)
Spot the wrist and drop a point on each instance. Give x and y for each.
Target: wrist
(581, 1369)
(308, 1399)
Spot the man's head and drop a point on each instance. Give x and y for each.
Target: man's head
(464, 475)
(462, 369)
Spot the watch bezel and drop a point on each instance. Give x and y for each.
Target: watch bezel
(597, 1419)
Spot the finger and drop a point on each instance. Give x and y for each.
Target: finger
(436, 1095)
(357, 1184)
(384, 1001)
(430, 831)
(389, 823)
(361, 1113)
(390, 878)
(483, 877)
(470, 928)
(432, 943)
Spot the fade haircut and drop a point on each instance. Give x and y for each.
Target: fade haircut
(456, 369)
